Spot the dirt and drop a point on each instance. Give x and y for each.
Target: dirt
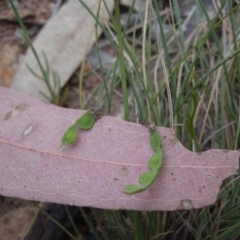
(16, 218)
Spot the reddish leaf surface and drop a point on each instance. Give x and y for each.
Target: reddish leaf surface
(94, 171)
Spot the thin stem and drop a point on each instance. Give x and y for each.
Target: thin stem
(165, 71)
(121, 61)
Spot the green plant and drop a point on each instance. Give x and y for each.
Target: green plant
(154, 163)
(201, 75)
(200, 78)
(46, 73)
(85, 122)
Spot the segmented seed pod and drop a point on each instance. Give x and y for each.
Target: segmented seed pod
(155, 140)
(155, 162)
(86, 121)
(70, 136)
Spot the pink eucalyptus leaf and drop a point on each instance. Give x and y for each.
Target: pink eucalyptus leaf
(94, 171)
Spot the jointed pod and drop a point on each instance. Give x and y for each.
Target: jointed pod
(154, 163)
(85, 122)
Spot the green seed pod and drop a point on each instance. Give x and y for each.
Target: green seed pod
(155, 140)
(131, 188)
(86, 121)
(146, 179)
(70, 136)
(155, 162)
